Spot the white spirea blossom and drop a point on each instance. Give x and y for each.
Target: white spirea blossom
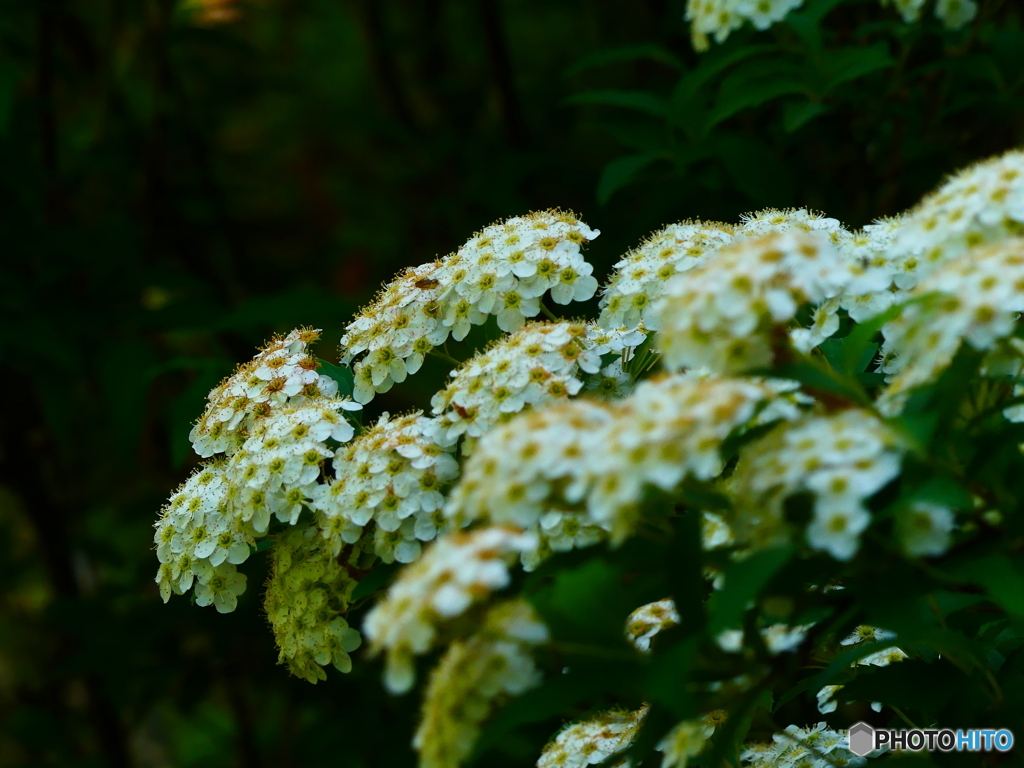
(278, 467)
(598, 458)
(282, 373)
(925, 529)
(976, 298)
(815, 746)
(393, 475)
(540, 363)
(630, 297)
(457, 571)
(502, 271)
(981, 204)
(731, 314)
(474, 676)
(199, 544)
(308, 591)
(593, 741)
(639, 277)
(648, 620)
(840, 459)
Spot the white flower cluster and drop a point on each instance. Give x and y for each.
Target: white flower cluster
(817, 746)
(781, 220)
(277, 468)
(841, 459)
(598, 458)
(198, 543)
(283, 372)
(630, 297)
(393, 475)
(981, 204)
(502, 271)
(593, 742)
(870, 250)
(307, 593)
(640, 276)
(210, 523)
(474, 676)
(730, 314)
(456, 572)
(976, 298)
(721, 17)
(540, 363)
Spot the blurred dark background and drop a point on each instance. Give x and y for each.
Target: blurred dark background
(181, 180)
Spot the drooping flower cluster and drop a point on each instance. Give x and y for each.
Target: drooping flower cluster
(721, 17)
(455, 573)
(502, 271)
(282, 373)
(597, 458)
(276, 420)
(976, 298)
(731, 314)
(198, 543)
(473, 677)
(393, 475)
(840, 459)
(308, 591)
(540, 363)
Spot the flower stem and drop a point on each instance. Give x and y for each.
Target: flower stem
(549, 314)
(446, 357)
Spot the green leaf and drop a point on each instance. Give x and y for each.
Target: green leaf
(754, 96)
(716, 62)
(796, 114)
(744, 581)
(587, 604)
(341, 374)
(378, 578)
(1003, 582)
(910, 684)
(619, 172)
(820, 380)
(640, 101)
(845, 64)
(643, 51)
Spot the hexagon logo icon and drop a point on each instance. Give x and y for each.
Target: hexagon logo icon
(862, 739)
